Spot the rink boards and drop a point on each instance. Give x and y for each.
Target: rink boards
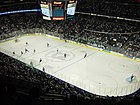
(99, 72)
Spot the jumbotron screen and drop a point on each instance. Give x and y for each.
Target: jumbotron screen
(71, 7)
(46, 8)
(58, 9)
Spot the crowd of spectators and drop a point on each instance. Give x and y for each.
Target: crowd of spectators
(98, 30)
(8, 2)
(18, 7)
(48, 84)
(13, 68)
(133, 47)
(126, 9)
(95, 31)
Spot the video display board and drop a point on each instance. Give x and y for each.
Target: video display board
(71, 7)
(57, 9)
(46, 8)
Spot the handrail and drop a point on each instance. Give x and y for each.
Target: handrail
(99, 15)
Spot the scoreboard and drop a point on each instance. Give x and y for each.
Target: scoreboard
(57, 9)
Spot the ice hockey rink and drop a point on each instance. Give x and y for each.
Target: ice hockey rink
(100, 72)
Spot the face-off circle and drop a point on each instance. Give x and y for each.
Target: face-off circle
(59, 56)
(124, 66)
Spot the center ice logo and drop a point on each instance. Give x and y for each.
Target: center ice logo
(59, 56)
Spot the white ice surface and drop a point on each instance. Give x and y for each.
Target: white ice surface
(99, 73)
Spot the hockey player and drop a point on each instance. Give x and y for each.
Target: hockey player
(26, 43)
(26, 50)
(21, 52)
(85, 55)
(34, 50)
(13, 53)
(57, 50)
(31, 63)
(65, 55)
(40, 60)
(48, 45)
(43, 69)
(132, 76)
